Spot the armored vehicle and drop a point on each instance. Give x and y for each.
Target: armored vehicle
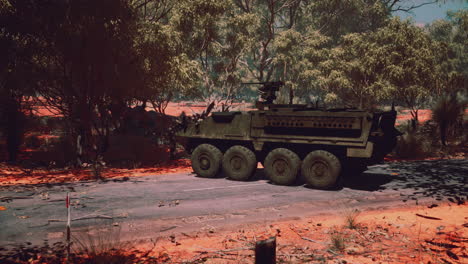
(290, 140)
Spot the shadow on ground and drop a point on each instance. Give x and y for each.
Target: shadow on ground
(438, 179)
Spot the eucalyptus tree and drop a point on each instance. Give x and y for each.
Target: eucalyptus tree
(216, 35)
(18, 73)
(451, 35)
(397, 62)
(452, 38)
(88, 69)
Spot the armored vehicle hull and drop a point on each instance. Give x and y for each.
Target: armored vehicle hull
(290, 140)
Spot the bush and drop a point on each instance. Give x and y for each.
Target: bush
(413, 146)
(134, 150)
(57, 152)
(448, 115)
(32, 141)
(338, 241)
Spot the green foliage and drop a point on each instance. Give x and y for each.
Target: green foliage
(396, 62)
(167, 71)
(298, 57)
(452, 38)
(336, 18)
(216, 35)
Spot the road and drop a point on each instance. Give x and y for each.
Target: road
(150, 207)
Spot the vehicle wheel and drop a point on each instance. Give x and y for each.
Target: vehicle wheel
(321, 169)
(282, 166)
(206, 160)
(239, 163)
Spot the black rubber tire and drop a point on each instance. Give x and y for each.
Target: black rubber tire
(321, 169)
(282, 166)
(239, 163)
(206, 160)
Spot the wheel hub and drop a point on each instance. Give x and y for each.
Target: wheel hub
(319, 169)
(280, 166)
(204, 163)
(236, 163)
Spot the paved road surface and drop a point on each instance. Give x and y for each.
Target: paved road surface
(149, 207)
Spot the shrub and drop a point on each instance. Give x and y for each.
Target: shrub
(413, 145)
(338, 241)
(134, 150)
(102, 246)
(56, 152)
(448, 115)
(351, 219)
(32, 141)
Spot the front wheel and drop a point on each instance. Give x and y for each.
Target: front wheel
(206, 160)
(282, 166)
(321, 169)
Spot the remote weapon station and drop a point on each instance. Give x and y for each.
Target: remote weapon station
(290, 140)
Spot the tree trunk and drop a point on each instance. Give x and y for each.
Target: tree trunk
(415, 120)
(443, 133)
(14, 128)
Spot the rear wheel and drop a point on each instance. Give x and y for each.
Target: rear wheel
(321, 169)
(282, 166)
(239, 163)
(206, 160)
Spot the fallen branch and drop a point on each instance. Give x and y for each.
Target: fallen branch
(208, 250)
(428, 217)
(95, 216)
(314, 241)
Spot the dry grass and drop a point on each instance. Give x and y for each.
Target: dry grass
(102, 246)
(351, 219)
(337, 241)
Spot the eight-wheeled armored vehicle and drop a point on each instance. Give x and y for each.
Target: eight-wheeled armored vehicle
(320, 145)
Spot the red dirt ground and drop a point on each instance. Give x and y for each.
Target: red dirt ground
(14, 175)
(401, 235)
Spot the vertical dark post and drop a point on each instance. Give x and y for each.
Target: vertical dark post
(265, 251)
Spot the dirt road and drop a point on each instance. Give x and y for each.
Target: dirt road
(155, 206)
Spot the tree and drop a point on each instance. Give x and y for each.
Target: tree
(167, 70)
(336, 18)
(217, 36)
(298, 57)
(451, 36)
(17, 75)
(88, 67)
(396, 62)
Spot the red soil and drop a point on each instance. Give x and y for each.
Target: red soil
(401, 235)
(15, 175)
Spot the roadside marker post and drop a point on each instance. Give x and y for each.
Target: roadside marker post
(265, 251)
(68, 226)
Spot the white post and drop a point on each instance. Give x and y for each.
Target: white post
(68, 226)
